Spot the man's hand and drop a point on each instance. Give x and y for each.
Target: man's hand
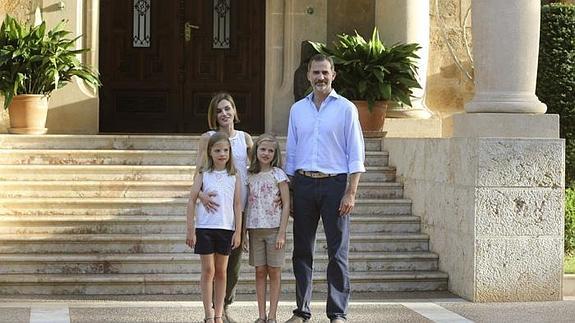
(346, 205)
(208, 200)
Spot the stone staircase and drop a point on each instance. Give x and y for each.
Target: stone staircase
(106, 215)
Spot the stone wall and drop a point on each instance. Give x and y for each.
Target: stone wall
(501, 199)
(344, 16)
(448, 84)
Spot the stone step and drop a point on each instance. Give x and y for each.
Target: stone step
(134, 173)
(124, 284)
(123, 142)
(94, 189)
(378, 190)
(96, 157)
(181, 263)
(125, 157)
(137, 189)
(96, 172)
(175, 243)
(375, 174)
(152, 206)
(163, 224)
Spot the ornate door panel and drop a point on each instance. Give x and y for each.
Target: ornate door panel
(225, 51)
(161, 61)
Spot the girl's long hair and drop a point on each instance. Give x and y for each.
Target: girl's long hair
(254, 162)
(217, 137)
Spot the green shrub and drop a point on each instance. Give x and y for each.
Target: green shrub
(570, 221)
(556, 74)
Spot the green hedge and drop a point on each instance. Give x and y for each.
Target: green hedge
(570, 221)
(556, 74)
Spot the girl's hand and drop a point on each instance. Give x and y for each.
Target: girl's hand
(281, 240)
(245, 242)
(236, 239)
(208, 200)
(191, 238)
(245, 247)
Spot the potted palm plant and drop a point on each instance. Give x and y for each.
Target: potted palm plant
(373, 75)
(33, 63)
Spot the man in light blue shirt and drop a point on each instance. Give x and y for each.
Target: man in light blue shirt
(324, 146)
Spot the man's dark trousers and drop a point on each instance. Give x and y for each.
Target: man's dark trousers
(314, 198)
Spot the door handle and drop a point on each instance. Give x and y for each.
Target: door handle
(188, 30)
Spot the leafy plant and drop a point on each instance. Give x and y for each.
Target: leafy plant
(368, 70)
(556, 74)
(36, 61)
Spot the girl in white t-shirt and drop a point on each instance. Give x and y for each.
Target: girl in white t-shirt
(214, 234)
(266, 221)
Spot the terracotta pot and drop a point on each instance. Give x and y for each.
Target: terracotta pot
(28, 114)
(372, 122)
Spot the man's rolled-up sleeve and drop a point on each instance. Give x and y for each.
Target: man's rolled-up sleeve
(355, 144)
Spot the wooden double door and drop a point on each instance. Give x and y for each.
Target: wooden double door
(161, 62)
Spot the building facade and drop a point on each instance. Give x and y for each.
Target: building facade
(488, 186)
(172, 75)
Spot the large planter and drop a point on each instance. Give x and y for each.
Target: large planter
(28, 114)
(372, 121)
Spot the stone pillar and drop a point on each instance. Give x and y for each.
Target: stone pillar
(493, 209)
(505, 50)
(513, 203)
(407, 21)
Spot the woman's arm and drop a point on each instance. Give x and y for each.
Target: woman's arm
(285, 197)
(249, 144)
(191, 211)
(206, 198)
(201, 156)
(237, 237)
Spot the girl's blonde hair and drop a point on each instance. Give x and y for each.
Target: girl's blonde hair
(217, 137)
(276, 161)
(212, 113)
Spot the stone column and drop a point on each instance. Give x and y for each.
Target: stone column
(511, 160)
(407, 21)
(505, 50)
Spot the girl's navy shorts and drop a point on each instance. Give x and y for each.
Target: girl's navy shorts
(210, 241)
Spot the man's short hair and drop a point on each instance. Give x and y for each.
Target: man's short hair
(320, 58)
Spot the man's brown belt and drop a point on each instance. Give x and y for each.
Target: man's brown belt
(315, 174)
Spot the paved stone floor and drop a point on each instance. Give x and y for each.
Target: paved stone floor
(393, 307)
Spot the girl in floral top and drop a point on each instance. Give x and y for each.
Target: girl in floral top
(266, 221)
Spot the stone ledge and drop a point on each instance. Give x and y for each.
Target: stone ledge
(568, 285)
(412, 128)
(517, 125)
